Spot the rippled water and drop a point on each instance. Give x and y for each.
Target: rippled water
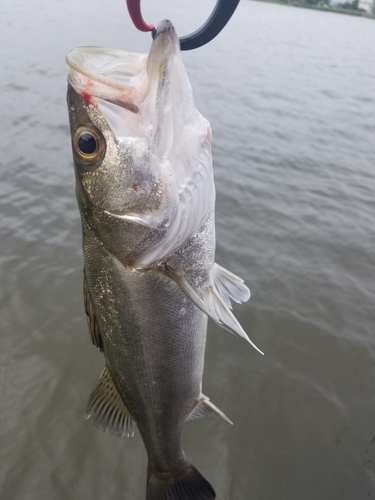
(290, 96)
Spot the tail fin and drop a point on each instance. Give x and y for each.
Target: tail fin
(190, 485)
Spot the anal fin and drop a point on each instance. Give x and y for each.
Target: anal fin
(204, 408)
(107, 408)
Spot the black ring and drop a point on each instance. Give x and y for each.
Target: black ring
(223, 11)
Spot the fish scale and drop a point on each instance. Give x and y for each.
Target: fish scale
(146, 343)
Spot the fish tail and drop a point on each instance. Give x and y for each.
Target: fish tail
(188, 485)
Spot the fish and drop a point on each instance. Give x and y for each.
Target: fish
(146, 196)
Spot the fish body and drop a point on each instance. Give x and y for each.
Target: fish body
(145, 190)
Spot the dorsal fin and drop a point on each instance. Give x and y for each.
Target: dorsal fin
(92, 322)
(107, 408)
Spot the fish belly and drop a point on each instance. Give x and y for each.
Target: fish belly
(154, 340)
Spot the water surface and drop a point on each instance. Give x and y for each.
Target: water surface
(290, 96)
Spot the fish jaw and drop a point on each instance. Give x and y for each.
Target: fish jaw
(180, 135)
(148, 100)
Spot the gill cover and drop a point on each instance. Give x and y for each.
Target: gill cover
(149, 98)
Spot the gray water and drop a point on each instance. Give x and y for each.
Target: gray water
(290, 96)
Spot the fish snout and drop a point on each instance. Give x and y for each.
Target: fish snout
(165, 38)
(164, 27)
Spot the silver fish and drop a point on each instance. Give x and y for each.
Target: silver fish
(145, 190)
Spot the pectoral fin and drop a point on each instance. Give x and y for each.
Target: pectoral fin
(185, 286)
(204, 408)
(229, 286)
(91, 318)
(107, 408)
(216, 301)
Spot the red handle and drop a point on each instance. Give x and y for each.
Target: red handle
(134, 7)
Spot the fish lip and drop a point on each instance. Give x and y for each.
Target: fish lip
(76, 58)
(165, 27)
(117, 214)
(127, 217)
(147, 220)
(165, 36)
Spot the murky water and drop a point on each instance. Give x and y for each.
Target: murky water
(290, 96)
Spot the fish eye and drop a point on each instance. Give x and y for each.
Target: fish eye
(88, 145)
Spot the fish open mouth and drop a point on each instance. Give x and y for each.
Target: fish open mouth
(117, 76)
(109, 66)
(107, 74)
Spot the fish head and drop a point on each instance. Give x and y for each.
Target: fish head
(138, 148)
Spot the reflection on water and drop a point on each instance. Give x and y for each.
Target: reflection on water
(289, 93)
